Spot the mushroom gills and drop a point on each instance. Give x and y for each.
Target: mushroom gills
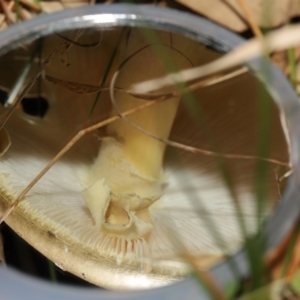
(121, 198)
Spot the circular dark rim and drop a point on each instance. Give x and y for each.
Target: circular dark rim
(212, 35)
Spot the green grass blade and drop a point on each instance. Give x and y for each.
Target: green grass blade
(292, 65)
(52, 271)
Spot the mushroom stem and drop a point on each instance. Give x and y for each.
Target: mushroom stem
(126, 178)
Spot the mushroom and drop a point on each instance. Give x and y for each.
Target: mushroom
(121, 209)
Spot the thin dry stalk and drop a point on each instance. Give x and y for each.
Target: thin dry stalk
(278, 40)
(251, 21)
(83, 132)
(214, 80)
(67, 147)
(80, 88)
(185, 147)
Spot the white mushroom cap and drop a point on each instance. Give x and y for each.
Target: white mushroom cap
(54, 218)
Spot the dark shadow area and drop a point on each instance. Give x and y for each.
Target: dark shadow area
(34, 106)
(21, 256)
(3, 97)
(37, 107)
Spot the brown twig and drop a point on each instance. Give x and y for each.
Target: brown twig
(277, 40)
(66, 148)
(215, 79)
(249, 17)
(185, 147)
(80, 88)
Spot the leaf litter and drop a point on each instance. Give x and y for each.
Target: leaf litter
(229, 13)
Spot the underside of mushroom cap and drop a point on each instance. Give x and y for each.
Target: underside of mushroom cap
(189, 198)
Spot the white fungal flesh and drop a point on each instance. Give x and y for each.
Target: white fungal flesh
(126, 178)
(191, 202)
(126, 198)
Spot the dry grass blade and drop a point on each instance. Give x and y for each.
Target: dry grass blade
(214, 80)
(249, 16)
(186, 147)
(4, 141)
(66, 148)
(80, 88)
(75, 87)
(280, 39)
